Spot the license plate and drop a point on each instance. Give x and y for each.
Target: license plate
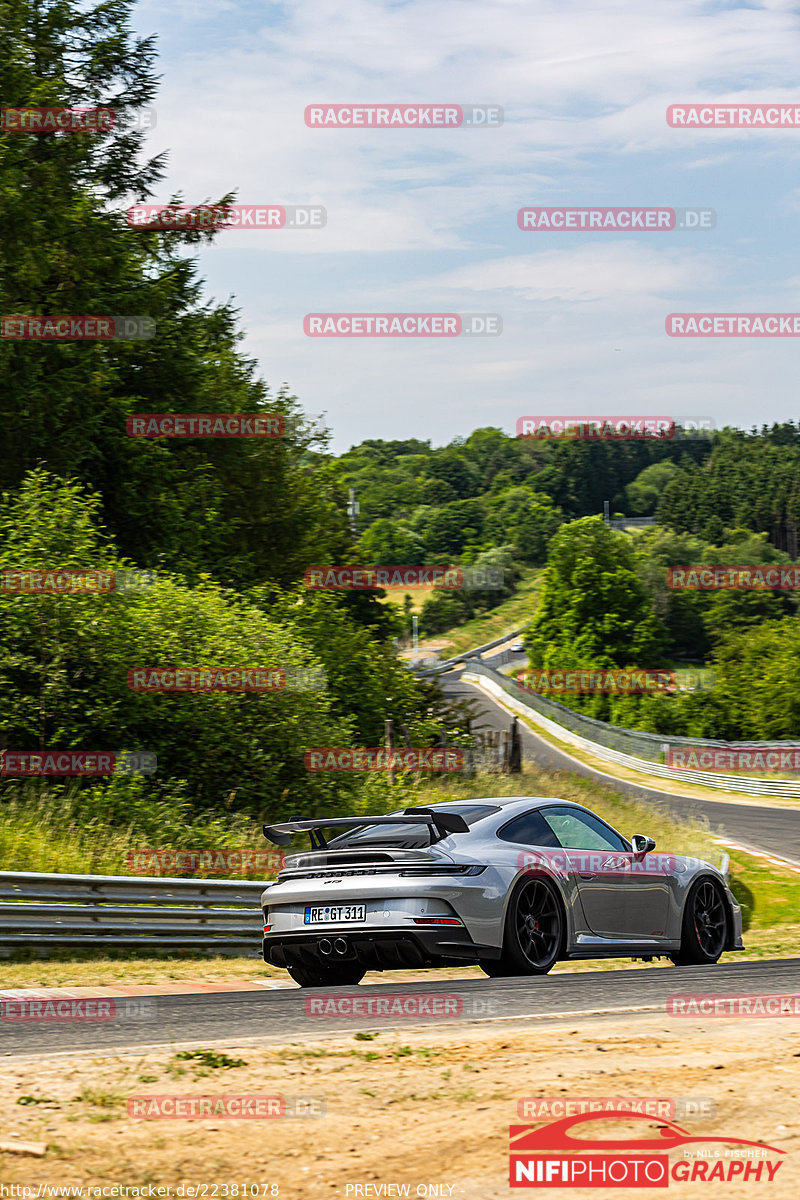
(335, 913)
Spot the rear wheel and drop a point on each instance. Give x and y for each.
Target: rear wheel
(493, 967)
(534, 932)
(704, 933)
(338, 975)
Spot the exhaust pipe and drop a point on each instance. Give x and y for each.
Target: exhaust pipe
(340, 946)
(325, 946)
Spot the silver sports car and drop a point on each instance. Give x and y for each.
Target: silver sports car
(513, 884)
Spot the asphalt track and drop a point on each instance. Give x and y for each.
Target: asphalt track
(770, 830)
(281, 1016)
(284, 1016)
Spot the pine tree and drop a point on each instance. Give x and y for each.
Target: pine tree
(244, 511)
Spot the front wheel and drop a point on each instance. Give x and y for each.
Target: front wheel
(340, 975)
(704, 933)
(534, 932)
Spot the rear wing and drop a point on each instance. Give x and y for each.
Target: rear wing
(440, 823)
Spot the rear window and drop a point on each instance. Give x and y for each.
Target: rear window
(530, 829)
(407, 836)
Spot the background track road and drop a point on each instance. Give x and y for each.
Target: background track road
(280, 1016)
(755, 826)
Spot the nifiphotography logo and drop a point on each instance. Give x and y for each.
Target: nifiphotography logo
(556, 1155)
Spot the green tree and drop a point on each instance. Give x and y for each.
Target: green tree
(525, 519)
(243, 510)
(65, 659)
(390, 543)
(446, 609)
(449, 529)
(757, 689)
(594, 611)
(366, 682)
(695, 620)
(642, 496)
(454, 468)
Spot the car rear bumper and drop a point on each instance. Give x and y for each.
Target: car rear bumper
(384, 950)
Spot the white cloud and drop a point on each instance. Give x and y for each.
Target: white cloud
(427, 219)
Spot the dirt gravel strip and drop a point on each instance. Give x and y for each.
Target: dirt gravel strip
(417, 1107)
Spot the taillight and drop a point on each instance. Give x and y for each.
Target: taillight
(443, 869)
(437, 921)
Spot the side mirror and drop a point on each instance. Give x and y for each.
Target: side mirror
(642, 844)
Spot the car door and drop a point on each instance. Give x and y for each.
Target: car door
(601, 863)
(622, 896)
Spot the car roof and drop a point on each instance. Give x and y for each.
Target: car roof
(508, 807)
(504, 801)
(504, 808)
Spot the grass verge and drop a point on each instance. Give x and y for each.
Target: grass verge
(512, 613)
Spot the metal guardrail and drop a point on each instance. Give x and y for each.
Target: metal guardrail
(446, 663)
(572, 727)
(502, 659)
(624, 523)
(41, 912)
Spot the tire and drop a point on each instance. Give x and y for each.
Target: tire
(534, 934)
(338, 975)
(493, 967)
(704, 931)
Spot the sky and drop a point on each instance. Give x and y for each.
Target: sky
(425, 220)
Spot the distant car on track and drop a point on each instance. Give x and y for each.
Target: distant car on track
(517, 647)
(512, 884)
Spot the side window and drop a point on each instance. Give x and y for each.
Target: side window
(530, 829)
(577, 830)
